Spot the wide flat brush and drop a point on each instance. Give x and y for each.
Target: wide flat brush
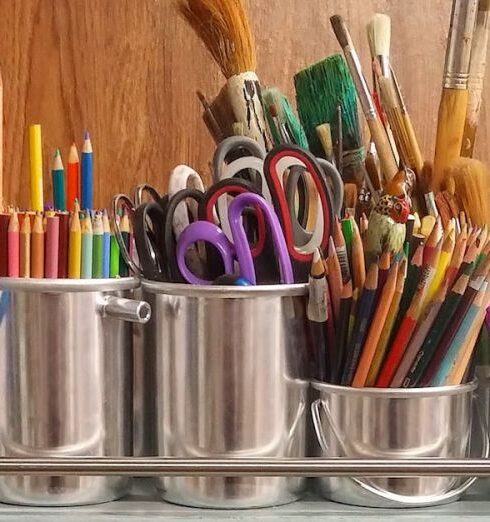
(321, 89)
(454, 99)
(378, 134)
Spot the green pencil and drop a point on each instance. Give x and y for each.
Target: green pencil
(98, 250)
(87, 247)
(114, 267)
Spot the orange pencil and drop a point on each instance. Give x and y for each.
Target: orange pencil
(334, 278)
(37, 247)
(377, 324)
(358, 261)
(73, 178)
(25, 248)
(341, 249)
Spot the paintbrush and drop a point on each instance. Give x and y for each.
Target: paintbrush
(378, 134)
(477, 74)
(320, 89)
(472, 187)
(454, 99)
(224, 28)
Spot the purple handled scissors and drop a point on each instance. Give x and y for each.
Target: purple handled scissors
(239, 250)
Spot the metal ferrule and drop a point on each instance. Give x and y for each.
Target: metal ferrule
(458, 53)
(360, 82)
(384, 63)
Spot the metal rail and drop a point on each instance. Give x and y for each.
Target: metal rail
(313, 467)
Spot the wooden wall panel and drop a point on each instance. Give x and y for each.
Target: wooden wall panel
(128, 71)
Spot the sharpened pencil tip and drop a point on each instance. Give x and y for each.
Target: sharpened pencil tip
(87, 135)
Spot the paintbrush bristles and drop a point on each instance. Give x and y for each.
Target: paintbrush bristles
(472, 186)
(379, 35)
(224, 28)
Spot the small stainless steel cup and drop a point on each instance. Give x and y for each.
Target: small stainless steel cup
(66, 376)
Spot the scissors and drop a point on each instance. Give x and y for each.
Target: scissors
(155, 237)
(122, 201)
(239, 250)
(277, 165)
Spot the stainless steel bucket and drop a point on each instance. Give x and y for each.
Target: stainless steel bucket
(229, 371)
(393, 423)
(66, 368)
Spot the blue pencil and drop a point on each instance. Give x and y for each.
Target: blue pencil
(87, 167)
(106, 258)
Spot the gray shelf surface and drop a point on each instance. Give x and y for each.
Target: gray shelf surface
(144, 504)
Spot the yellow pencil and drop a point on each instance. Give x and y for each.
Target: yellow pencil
(442, 266)
(36, 165)
(75, 246)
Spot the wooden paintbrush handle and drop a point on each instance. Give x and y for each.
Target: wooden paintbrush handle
(387, 162)
(415, 154)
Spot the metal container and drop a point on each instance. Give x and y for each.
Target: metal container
(66, 382)
(230, 378)
(394, 423)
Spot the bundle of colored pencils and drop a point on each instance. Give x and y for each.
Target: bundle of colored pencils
(62, 241)
(61, 244)
(411, 319)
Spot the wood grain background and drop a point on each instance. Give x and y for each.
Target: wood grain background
(128, 71)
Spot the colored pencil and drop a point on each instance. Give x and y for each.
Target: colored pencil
(384, 268)
(364, 313)
(87, 174)
(87, 247)
(432, 241)
(98, 250)
(114, 265)
(442, 266)
(387, 331)
(342, 331)
(456, 258)
(425, 323)
(341, 249)
(13, 253)
(36, 168)
(58, 180)
(51, 268)
(37, 247)
(75, 246)
(460, 339)
(358, 261)
(106, 264)
(334, 276)
(317, 313)
(408, 324)
(25, 248)
(125, 231)
(352, 316)
(376, 327)
(4, 226)
(64, 234)
(441, 323)
(73, 178)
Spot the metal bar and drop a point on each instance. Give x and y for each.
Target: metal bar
(314, 467)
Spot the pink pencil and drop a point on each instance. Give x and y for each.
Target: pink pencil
(52, 247)
(13, 241)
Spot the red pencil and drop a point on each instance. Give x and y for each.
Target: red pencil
(52, 247)
(73, 178)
